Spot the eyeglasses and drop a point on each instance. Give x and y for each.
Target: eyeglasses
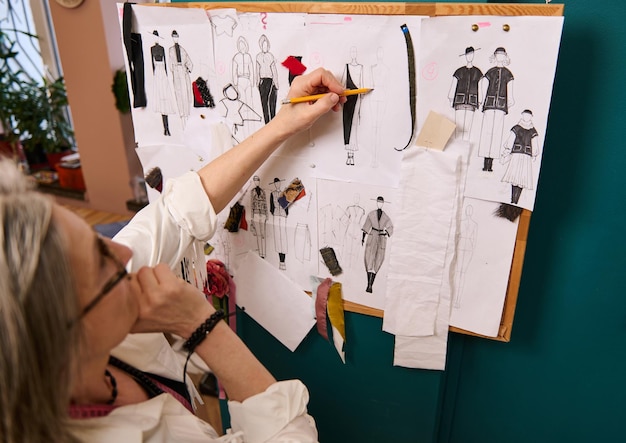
(110, 284)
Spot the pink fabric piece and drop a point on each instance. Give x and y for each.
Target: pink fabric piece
(320, 307)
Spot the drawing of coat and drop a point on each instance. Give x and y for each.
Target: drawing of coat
(161, 93)
(496, 96)
(351, 106)
(519, 172)
(466, 93)
(378, 227)
(280, 219)
(181, 67)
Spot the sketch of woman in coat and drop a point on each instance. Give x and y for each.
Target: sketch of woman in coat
(520, 150)
(352, 78)
(464, 94)
(161, 93)
(354, 219)
(377, 228)
(181, 68)
(267, 77)
(279, 217)
(258, 202)
(498, 100)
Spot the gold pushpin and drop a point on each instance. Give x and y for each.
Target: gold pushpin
(474, 27)
(506, 28)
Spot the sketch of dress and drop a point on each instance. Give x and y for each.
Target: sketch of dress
(181, 68)
(258, 203)
(302, 242)
(378, 100)
(464, 94)
(236, 112)
(377, 228)
(498, 100)
(354, 215)
(279, 219)
(466, 244)
(520, 149)
(267, 77)
(161, 102)
(352, 78)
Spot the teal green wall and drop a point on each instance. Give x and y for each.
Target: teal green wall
(563, 375)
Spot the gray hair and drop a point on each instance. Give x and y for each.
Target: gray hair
(37, 301)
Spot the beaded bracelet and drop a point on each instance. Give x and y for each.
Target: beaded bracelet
(203, 330)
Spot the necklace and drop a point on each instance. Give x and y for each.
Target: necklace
(113, 382)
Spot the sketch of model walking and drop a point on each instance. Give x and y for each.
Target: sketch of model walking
(258, 203)
(181, 68)
(352, 78)
(466, 244)
(378, 100)
(279, 220)
(267, 78)
(377, 228)
(236, 112)
(161, 92)
(498, 100)
(465, 94)
(354, 216)
(520, 150)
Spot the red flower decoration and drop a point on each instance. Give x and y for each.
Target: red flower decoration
(218, 279)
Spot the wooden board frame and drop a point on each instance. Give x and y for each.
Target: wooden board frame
(434, 10)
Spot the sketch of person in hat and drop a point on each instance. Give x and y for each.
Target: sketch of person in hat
(279, 218)
(520, 150)
(161, 92)
(464, 94)
(181, 68)
(258, 202)
(377, 228)
(498, 100)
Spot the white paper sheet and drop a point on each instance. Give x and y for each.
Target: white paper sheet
(273, 300)
(527, 54)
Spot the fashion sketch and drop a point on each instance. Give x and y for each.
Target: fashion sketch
(243, 71)
(498, 100)
(378, 99)
(279, 219)
(466, 244)
(354, 215)
(352, 78)
(236, 112)
(181, 68)
(258, 203)
(464, 94)
(267, 78)
(520, 150)
(161, 92)
(377, 228)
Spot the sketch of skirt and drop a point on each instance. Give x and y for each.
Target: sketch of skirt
(161, 93)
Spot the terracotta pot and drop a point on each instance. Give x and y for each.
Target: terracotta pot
(55, 157)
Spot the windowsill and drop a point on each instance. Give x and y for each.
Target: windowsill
(56, 189)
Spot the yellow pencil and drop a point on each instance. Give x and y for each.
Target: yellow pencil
(311, 98)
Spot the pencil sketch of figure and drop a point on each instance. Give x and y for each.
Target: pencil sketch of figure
(279, 219)
(258, 203)
(331, 226)
(464, 94)
(302, 242)
(466, 244)
(498, 100)
(181, 68)
(520, 150)
(267, 78)
(378, 99)
(243, 71)
(377, 228)
(223, 24)
(354, 215)
(236, 112)
(161, 93)
(352, 78)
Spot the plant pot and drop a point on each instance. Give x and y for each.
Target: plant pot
(37, 159)
(55, 157)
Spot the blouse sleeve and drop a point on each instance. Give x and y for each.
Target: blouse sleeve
(162, 231)
(279, 414)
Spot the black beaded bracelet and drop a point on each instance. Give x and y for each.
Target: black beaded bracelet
(203, 330)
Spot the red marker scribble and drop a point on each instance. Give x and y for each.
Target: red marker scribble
(430, 71)
(483, 24)
(264, 19)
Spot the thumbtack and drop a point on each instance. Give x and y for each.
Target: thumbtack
(506, 28)
(474, 27)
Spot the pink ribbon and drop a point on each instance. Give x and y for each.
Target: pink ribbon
(320, 307)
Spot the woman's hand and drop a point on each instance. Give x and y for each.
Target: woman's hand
(297, 117)
(168, 303)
